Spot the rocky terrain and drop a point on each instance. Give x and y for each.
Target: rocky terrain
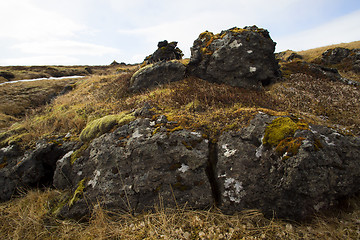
(235, 127)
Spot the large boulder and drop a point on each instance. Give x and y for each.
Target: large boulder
(139, 166)
(166, 51)
(237, 57)
(285, 167)
(156, 74)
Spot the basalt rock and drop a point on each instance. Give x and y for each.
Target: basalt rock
(306, 170)
(166, 51)
(139, 166)
(346, 59)
(156, 74)
(237, 57)
(34, 168)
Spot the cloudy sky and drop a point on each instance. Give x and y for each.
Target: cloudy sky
(96, 32)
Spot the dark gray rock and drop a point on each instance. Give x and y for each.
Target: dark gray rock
(166, 51)
(144, 170)
(250, 175)
(35, 168)
(237, 57)
(294, 56)
(335, 55)
(157, 74)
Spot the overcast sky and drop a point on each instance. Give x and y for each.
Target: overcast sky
(96, 32)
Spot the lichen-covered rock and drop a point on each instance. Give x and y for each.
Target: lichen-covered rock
(166, 51)
(156, 74)
(291, 184)
(237, 57)
(139, 166)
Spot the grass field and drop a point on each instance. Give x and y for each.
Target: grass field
(25, 117)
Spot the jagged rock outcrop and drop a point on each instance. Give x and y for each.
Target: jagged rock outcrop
(307, 169)
(280, 165)
(156, 74)
(237, 57)
(138, 166)
(349, 59)
(166, 51)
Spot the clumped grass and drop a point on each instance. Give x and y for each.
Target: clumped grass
(29, 217)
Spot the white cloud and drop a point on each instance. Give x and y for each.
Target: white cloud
(343, 29)
(22, 20)
(40, 60)
(64, 47)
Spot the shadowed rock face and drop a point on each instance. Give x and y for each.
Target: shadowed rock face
(237, 57)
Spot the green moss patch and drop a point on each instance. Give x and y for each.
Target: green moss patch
(280, 129)
(78, 193)
(100, 126)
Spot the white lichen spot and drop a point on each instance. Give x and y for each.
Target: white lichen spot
(233, 190)
(228, 152)
(152, 124)
(183, 168)
(235, 44)
(250, 51)
(79, 173)
(259, 151)
(93, 181)
(327, 140)
(206, 141)
(197, 134)
(136, 134)
(252, 69)
(66, 156)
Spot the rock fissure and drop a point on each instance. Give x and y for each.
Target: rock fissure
(211, 173)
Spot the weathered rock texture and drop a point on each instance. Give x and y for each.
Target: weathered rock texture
(156, 74)
(280, 165)
(346, 58)
(32, 169)
(134, 168)
(237, 57)
(166, 51)
(310, 169)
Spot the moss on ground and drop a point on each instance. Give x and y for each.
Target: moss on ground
(100, 126)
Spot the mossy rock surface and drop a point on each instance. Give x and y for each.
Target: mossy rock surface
(100, 126)
(281, 128)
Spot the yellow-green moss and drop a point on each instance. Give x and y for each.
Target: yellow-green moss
(78, 192)
(103, 125)
(78, 153)
(280, 129)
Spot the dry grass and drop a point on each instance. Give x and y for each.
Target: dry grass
(18, 98)
(29, 217)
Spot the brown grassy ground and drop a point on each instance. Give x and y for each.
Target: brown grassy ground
(29, 217)
(18, 98)
(30, 72)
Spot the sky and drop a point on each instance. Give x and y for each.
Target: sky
(96, 32)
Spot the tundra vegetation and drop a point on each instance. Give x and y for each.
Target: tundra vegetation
(101, 100)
